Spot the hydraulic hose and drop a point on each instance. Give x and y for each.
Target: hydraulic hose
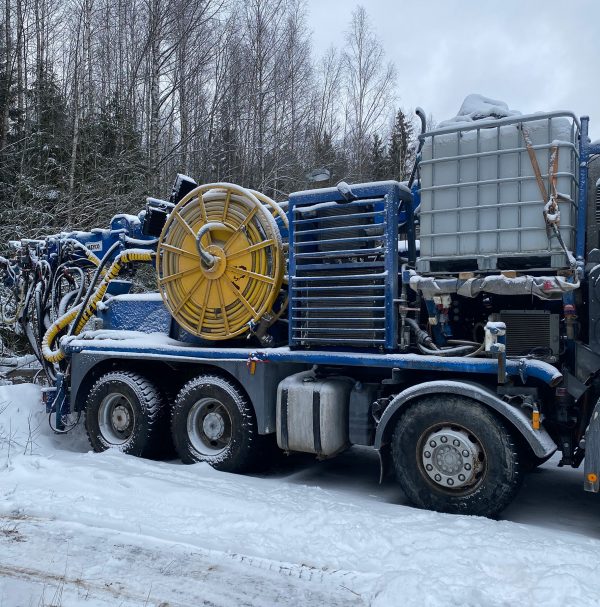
(99, 271)
(205, 257)
(426, 345)
(458, 351)
(423, 338)
(83, 312)
(89, 255)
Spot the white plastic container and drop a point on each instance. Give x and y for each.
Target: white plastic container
(481, 207)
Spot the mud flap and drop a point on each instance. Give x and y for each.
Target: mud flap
(386, 469)
(591, 463)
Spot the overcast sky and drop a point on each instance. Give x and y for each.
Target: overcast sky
(535, 55)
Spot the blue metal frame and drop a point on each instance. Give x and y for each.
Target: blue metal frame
(388, 194)
(585, 151)
(523, 368)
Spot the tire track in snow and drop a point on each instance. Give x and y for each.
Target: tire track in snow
(177, 574)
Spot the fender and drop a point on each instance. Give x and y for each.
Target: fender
(539, 440)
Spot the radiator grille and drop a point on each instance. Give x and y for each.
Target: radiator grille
(343, 269)
(530, 332)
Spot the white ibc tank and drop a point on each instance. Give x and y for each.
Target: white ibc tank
(481, 207)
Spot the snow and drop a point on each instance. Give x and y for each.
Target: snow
(479, 107)
(85, 529)
(133, 220)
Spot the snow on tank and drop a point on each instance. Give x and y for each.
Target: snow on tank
(479, 107)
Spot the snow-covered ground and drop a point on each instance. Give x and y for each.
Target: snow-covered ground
(78, 528)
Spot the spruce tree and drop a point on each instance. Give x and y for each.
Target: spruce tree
(400, 152)
(377, 159)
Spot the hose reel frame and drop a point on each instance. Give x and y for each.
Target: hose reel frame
(220, 261)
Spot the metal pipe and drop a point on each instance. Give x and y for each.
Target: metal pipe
(496, 122)
(208, 260)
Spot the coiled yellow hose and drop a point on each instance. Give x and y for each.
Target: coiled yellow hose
(220, 260)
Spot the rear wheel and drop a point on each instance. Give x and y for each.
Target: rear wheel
(453, 455)
(124, 411)
(213, 422)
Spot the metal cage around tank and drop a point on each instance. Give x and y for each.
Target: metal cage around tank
(481, 207)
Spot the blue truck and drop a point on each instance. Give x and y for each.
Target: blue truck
(450, 323)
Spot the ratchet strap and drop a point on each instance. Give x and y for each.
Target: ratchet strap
(551, 209)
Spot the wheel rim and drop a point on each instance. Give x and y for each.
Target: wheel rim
(209, 427)
(116, 418)
(452, 458)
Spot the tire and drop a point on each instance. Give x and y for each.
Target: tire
(213, 421)
(453, 455)
(125, 411)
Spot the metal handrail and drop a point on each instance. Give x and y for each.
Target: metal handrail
(499, 122)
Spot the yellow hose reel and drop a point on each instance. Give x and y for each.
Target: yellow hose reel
(220, 260)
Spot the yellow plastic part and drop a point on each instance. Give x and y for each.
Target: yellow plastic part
(535, 419)
(54, 356)
(219, 301)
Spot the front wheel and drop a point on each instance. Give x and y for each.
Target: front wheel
(213, 422)
(452, 454)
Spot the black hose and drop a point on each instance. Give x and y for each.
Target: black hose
(423, 338)
(458, 351)
(421, 114)
(92, 286)
(426, 345)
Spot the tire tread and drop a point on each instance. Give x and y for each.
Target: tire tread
(488, 499)
(147, 443)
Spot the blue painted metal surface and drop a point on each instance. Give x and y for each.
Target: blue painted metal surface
(582, 198)
(99, 241)
(522, 368)
(57, 401)
(145, 312)
(585, 151)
